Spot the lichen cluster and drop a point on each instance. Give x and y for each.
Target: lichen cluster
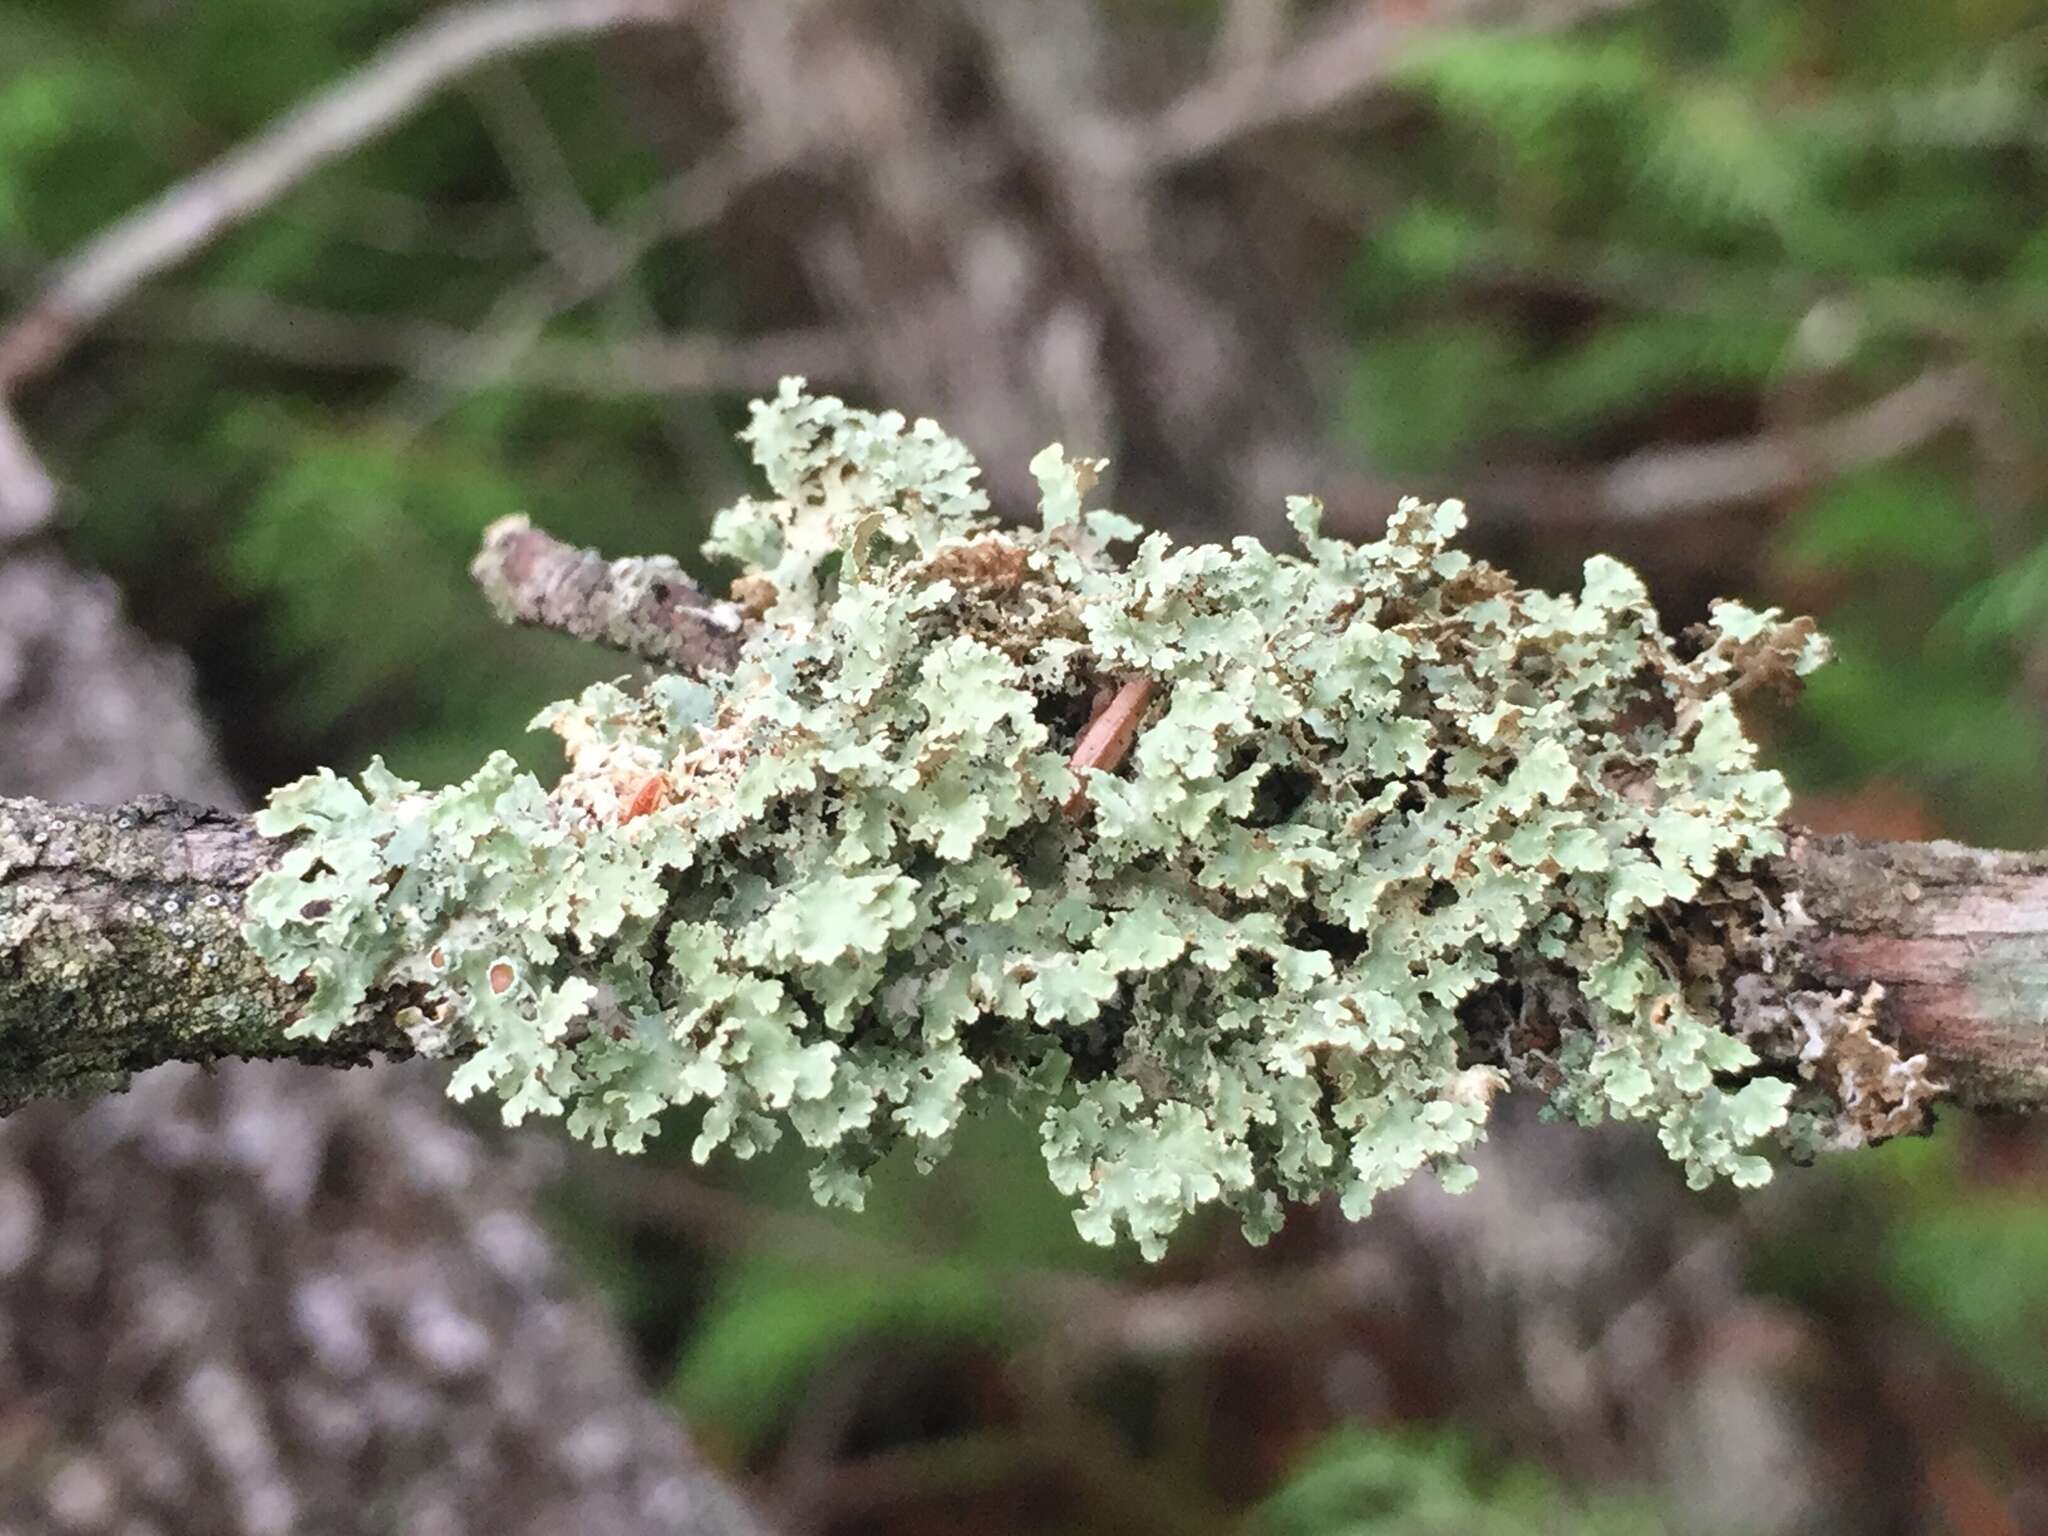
(856, 888)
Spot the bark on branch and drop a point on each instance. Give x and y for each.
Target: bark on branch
(1958, 939)
(121, 948)
(121, 942)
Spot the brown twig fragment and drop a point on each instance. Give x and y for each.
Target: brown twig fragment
(648, 606)
(654, 792)
(1110, 732)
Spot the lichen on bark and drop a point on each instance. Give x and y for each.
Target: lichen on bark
(1252, 876)
(873, 876)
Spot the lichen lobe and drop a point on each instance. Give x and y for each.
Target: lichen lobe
(1365, 787)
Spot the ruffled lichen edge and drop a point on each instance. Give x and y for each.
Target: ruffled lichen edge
(1380, 803)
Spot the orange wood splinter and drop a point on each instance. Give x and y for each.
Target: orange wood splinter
(649, 797)
(1108, 737)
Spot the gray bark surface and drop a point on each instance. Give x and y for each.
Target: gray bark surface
(272, 1300)
(121, 948)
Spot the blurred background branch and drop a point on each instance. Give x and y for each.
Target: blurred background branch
(248, 179)
(649, 363)
(1652, 484)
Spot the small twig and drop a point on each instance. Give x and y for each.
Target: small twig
(648, 607)
(561, 219)
(362, 104)
(1250, 32)
(1668, 480)
(519, 317)
(1340, 64)
(1110, 732)
(1949, 312)
(564, 222)
(379, 219)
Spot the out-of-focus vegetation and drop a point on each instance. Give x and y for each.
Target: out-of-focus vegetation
(1363, 1484)
(1695, 222)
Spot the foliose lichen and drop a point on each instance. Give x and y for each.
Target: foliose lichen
(857, 888)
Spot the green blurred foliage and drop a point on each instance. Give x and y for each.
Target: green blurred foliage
(1360, 1482)
(935, 1262)
(1975, 1267)
(1969, 1255)
(1697, 225)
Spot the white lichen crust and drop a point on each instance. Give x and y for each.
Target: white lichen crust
(848, 888)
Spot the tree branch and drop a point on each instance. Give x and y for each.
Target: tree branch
(1339, 64)
(518, 319)
(1958, 939)
(657, 363)
(1669, 481)
(121, 948)
(121, 942)
(356, 108)
(648, 607)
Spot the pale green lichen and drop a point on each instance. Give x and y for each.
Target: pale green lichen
(1372, 785)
